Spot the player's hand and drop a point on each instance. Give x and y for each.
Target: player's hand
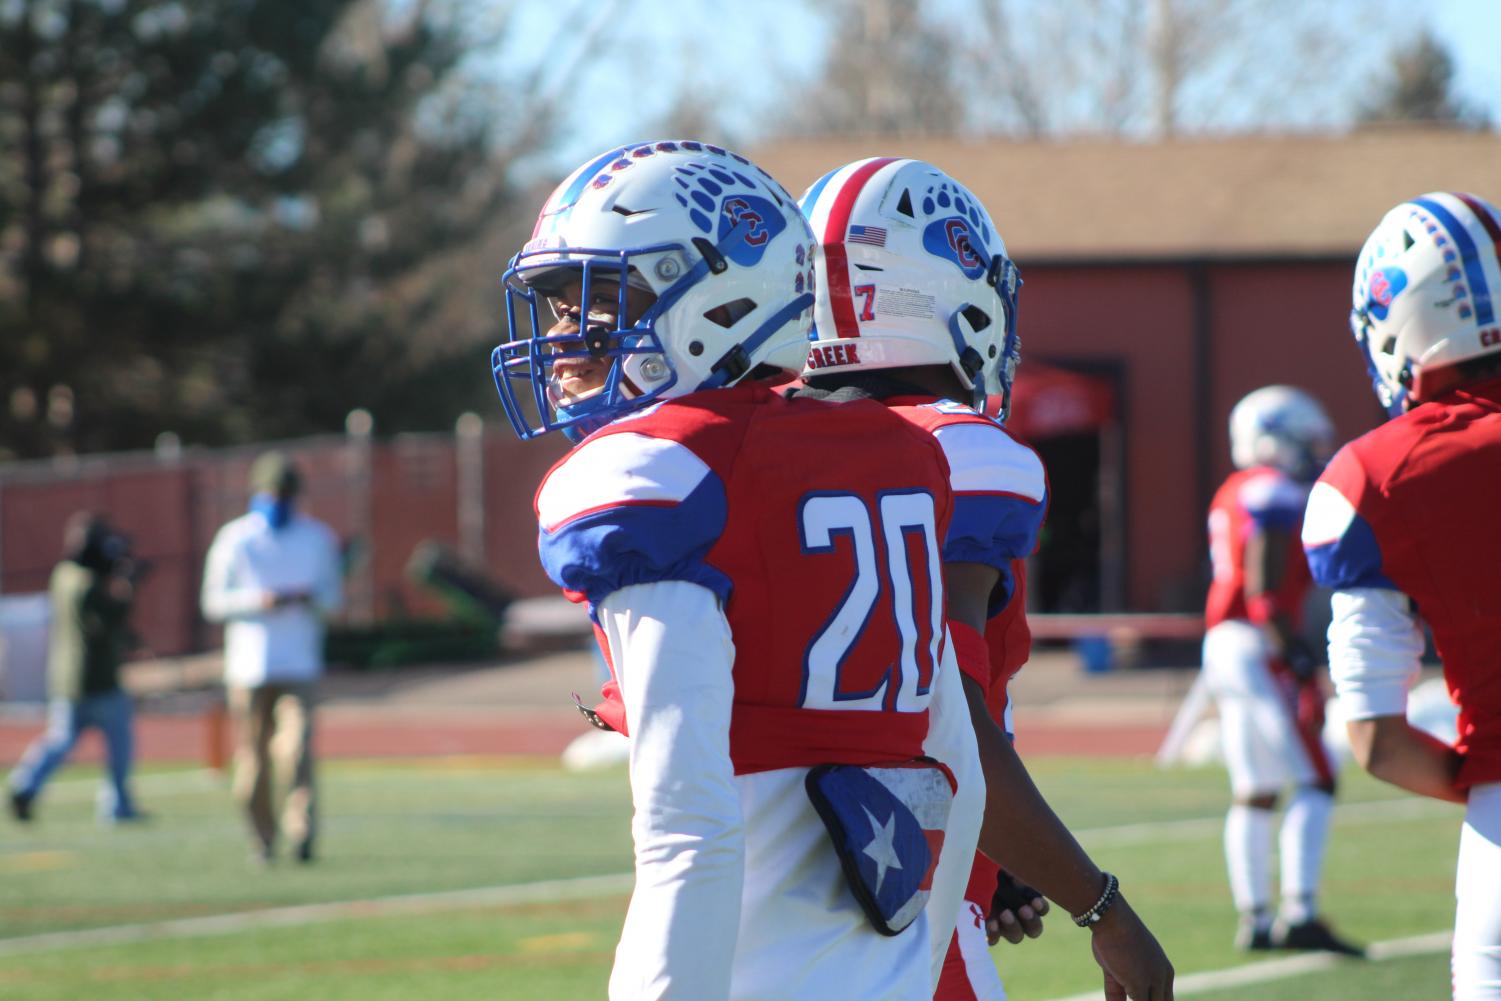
(1134, 964)
(1299, 657)
(1016, 911)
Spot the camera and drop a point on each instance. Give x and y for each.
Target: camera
(120, 559)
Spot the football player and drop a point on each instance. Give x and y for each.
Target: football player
(917, 308)
(1402, 523)
(1262, 674)
(765, 581)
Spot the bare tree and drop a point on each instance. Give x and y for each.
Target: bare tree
(1125, 67)
(888, 73)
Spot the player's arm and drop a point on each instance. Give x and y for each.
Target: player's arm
(1022, 832)
(222, 597)
(1374, 649)
(968, 587)
(1375, 644)
(673, 653)
(1266, 552)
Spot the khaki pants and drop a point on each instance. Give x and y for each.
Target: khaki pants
(274, 723)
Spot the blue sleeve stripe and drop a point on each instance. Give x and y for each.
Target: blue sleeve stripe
(616, 546)
(1352, 560)
(992, 529)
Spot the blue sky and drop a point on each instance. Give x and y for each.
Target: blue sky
(1472, 30)
(740, 53)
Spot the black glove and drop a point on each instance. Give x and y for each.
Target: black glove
(1011, 894)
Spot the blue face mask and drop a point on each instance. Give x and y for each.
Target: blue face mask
(277, 511)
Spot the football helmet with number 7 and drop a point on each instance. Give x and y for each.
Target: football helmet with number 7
(911, 271)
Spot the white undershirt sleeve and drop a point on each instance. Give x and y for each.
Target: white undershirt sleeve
(1375, 651)
(222, 597)
(673, 653)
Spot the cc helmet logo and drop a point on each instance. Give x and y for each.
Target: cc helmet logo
(959, 240)
(739, 210)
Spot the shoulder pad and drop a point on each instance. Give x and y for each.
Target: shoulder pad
(983, 458)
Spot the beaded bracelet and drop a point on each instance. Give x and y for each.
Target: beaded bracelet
(1107, 898)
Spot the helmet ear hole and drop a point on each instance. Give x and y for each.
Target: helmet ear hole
(730, 313)
(971, 362)
(977, 317)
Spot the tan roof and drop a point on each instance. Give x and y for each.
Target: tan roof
(1245, 195)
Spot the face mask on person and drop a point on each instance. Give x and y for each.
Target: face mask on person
(276, 510)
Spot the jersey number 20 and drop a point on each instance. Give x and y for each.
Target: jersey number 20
(822, 519)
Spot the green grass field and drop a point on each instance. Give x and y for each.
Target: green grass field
(424, 859)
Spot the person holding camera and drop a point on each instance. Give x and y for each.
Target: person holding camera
(272, 576)
(91, 592)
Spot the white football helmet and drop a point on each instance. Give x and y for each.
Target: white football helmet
(1424, 300)
(1282, 427)
(911, 271)
(718, 242)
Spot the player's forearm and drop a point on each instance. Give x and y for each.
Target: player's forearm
(1021, 831)
(1394, 751)
(685, 911)
(673, 652)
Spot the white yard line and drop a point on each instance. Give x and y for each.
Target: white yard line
(510, 894)
(1404, 808)
(1291, 966)
(619, 883)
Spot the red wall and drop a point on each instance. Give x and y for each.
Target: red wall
(172, 509)
(1288, 324)
(1281, 322)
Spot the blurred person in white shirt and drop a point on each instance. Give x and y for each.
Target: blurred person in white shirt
(272, 577)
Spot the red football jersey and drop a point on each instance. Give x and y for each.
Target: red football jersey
(1412, 506)
(1252, 499)
(1000, 501)
(819, 526)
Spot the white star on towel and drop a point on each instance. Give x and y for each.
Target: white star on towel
(882, 846)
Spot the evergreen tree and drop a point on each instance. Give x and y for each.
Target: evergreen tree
(236, 219)
(1420, 88)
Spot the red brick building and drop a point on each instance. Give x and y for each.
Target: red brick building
(1183, 275)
